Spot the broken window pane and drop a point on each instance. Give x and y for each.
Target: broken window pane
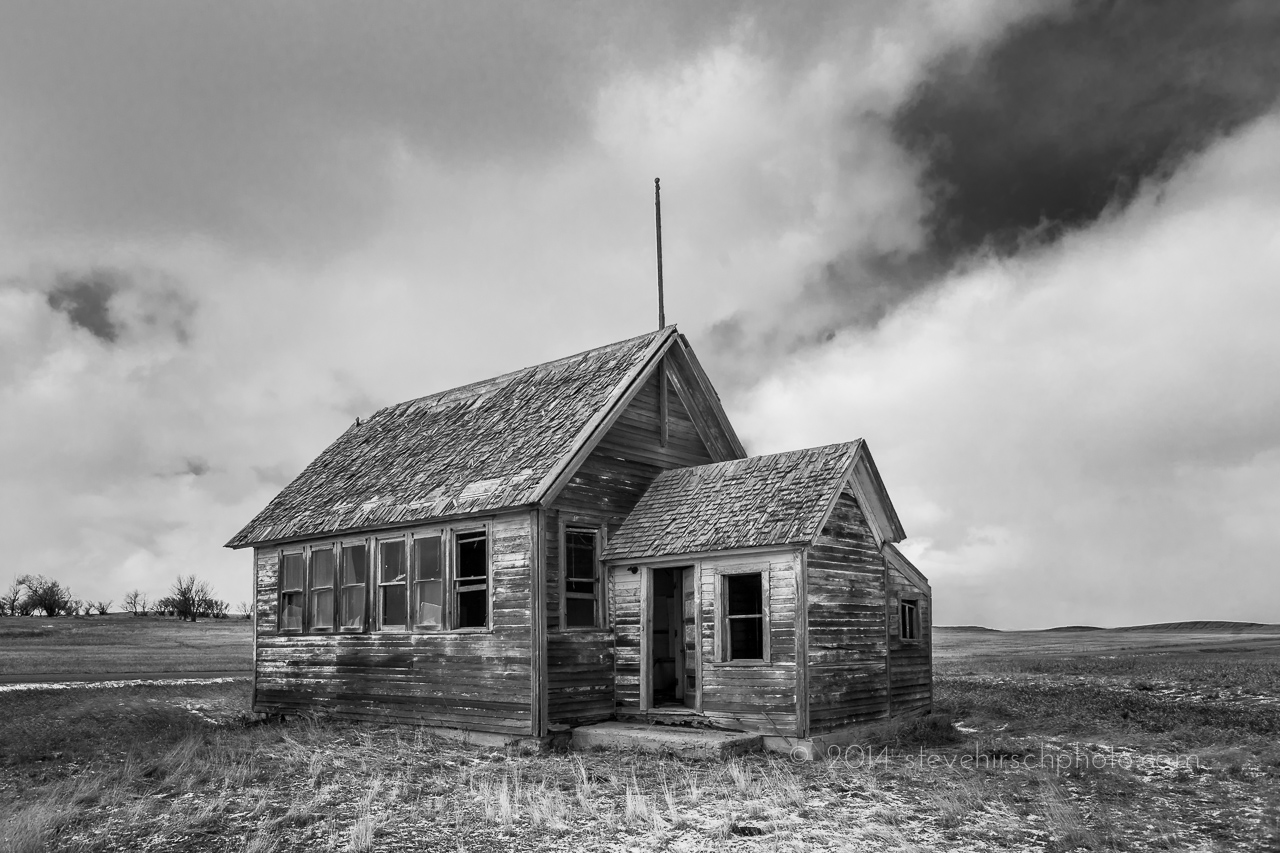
(428, 582)
(291, 611)
(395, 605)
(746, 639)
(580, 578)
(473, 559)
(908, 620)
(471, 581)
(744, 617)
(472, 609)
(743, 595)
(580, 612)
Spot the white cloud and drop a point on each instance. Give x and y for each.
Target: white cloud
(1092, 427)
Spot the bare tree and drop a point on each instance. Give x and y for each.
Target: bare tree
(14, 600)
(103, 607)
(188, 597)
(245, 609)
(136, 603)
(41, 593)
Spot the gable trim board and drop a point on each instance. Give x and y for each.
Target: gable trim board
(654, 363)
(605, 417)
(899, 561)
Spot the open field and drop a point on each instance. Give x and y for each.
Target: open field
(1109, 743)
(120, 644)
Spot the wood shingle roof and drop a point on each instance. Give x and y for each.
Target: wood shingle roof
(779, 499)
(483, 447)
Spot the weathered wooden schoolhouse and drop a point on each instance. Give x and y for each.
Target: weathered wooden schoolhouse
(584, 540)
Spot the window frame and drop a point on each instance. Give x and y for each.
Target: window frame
(722, 633)
(372, 598)
(308, 614)
(909, 615)
(342, 586)
(598, 619)
(451, 578)
(379, 624)
(282, 591)
(442, 534)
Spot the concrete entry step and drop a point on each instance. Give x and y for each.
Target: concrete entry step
(689, 743)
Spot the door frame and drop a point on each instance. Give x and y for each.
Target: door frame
(691, 575)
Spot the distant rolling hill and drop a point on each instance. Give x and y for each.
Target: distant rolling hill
(1202, 626)
(1208, 627)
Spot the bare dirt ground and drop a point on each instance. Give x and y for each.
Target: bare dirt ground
(1041, 743)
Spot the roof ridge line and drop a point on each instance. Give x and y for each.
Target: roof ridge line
(495, 381)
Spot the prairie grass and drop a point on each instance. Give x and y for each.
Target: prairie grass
(131, 768)
(85, 646)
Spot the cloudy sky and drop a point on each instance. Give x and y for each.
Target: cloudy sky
(1029, 251)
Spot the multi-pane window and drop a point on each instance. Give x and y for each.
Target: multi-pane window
(581, 578)
(744, 627)
(471, 580)
(323, 575)
(428, 582)
(354, 574)
(909, 619)
(423, 580)
(393, 594)
(293, 579)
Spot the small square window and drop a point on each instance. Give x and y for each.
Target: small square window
(909, 619)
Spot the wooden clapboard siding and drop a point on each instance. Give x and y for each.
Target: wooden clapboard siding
(601, 493)
(910, 662)
(759, 698)
(846, 622)
(580, 676)
(480, 681)
(624, 616)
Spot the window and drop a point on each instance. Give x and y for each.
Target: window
(580, 586)
(744, 630)
(428, 582)
(292, 579)
(909, 619)
(323, 571)
(430, 579)
(393, 594)
(354, 579)
(471, 580)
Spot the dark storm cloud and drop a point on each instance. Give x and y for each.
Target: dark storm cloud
(1069, 114)
(86, 301)
(1044, 129)
(113, 303)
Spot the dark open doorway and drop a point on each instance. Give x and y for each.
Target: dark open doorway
(673, 638)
